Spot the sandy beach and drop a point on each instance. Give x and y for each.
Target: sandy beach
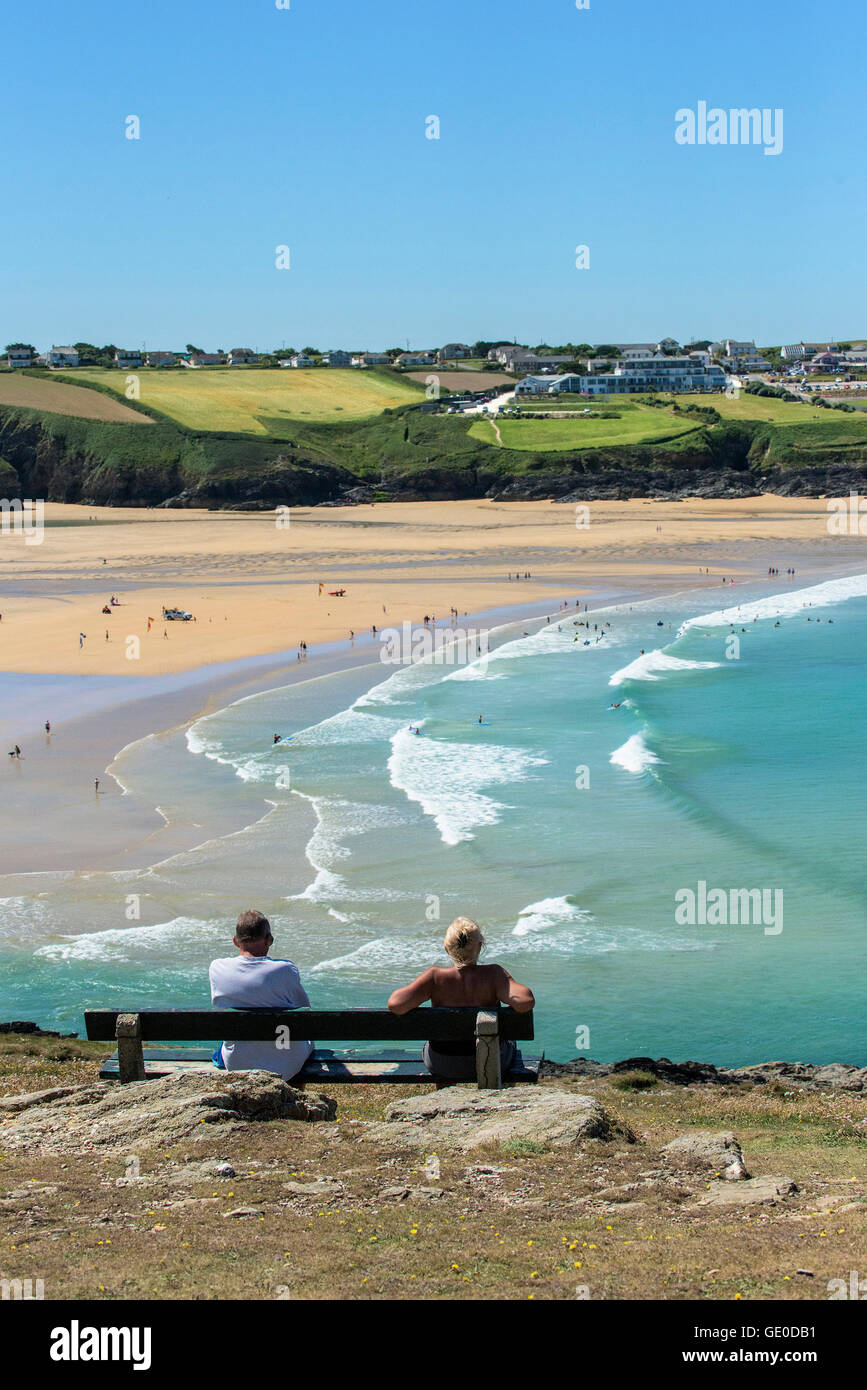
(252, 582)
(254, 589)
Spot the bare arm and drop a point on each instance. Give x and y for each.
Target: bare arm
(518, 997)
(411, 996)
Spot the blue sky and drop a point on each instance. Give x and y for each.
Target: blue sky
(305, 127)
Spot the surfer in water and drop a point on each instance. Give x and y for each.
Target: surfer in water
(278, 738)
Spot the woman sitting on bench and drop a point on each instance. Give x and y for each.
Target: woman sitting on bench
(465, 984)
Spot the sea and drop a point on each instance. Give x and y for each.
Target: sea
(655, 811)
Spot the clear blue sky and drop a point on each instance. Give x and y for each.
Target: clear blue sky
(306, 127)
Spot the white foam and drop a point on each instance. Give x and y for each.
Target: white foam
(634, 755)
(784, 605)
(547, 913)
(385, 958)
(651, 666)
(131, 943)
(445, 780)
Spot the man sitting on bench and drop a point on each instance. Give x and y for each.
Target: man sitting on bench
(466, 983)
(251, 981)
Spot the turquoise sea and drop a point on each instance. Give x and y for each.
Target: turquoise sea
(729, 779)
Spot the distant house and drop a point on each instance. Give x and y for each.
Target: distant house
(739, 356)
(630, 351)
(241, 357)
(301, 360)
(161, 359)
(452, 351)
(521, 359)
(371, 359)
(824, 362)
(124, 358)
(19, 357)
(416, 359)
(205, 359)
(797, 352)
(337, 358)
(62, 357)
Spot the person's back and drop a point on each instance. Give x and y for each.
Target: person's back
(455, 987)
(465, 984)
(250, 980)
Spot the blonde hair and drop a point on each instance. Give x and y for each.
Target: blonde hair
(464, 941)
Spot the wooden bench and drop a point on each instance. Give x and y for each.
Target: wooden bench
(486, 1027)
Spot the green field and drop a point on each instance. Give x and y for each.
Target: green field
(748, 407)
(639, 424)
(250, 400)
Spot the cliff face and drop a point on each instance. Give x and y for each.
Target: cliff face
(72, 460)
(65, 459)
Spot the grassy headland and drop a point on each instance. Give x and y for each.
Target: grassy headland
(258, 438)
(518, 1220)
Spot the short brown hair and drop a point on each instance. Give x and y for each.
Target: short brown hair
(252, 926)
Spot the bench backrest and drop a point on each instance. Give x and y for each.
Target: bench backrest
(341, 1025)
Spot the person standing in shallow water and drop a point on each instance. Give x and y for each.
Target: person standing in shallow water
(465, 983)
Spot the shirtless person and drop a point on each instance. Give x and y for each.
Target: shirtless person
(465, 984)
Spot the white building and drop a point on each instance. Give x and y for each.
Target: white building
(452, 351)
(635, 376)
(337, 358)
(416, 359)
(19, 357)
(797, 352)
(62, 357)
(241, 357)
(124, 358)
(301, 360)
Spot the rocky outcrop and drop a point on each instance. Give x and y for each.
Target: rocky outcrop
(33, 1029)
(108, 1118)
(766, 1190)
(465, 1118)
(675, 1073)
(703, 1149)
(837, 1076)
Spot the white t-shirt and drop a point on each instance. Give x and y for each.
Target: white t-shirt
(256, 982)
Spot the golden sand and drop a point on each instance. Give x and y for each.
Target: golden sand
(253, 584)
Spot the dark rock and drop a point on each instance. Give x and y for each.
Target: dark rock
(676, 1073)
(19, 1026)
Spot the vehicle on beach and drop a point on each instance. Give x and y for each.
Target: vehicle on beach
(176, 615)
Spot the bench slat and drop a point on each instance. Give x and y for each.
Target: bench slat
(259, 1025)
(401, 1068)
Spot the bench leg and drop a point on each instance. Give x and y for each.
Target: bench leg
(130, 1059)
(488, 1074)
